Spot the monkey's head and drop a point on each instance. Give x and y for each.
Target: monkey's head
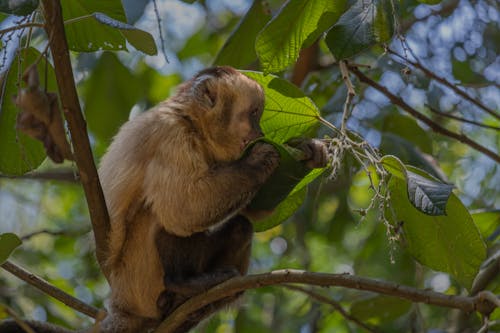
(226, 109)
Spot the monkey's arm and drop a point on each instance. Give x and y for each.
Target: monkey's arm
(213, 197)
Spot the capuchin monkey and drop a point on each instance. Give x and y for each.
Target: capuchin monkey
(177, 180)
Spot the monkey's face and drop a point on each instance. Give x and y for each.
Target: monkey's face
(233, 105)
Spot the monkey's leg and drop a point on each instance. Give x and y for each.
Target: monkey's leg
(195, 264)
(235, 238)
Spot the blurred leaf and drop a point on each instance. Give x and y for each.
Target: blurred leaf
(430, 197)
(8, 243)
(380, 308)
(239, 49)
(462, 71)
(18, 152)
(407, 128)
(288, 113)
(202, 42)
(488, 223)
(408, 153)
(93, 25)
(365, 24)
(109, 94)
(430, 2)
(18, 7)
(449, 243)
(297, 24)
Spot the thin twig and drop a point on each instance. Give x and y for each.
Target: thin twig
(238, 284)
(20, 27)
(350, 94)
(445, 82)
(429, 122)
(322, 299)
(50, 289)
(464, 120)
(160, 31)
(77, 128)
(62, 175)
(18, 320)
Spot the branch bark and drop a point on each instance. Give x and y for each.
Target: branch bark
(50, 289)
(429, 122)
(478, 303)
(54, 26)
(446, 83)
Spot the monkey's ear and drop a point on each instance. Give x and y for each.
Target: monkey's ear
(205, 90)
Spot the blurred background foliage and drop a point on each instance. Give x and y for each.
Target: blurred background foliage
(458, 40)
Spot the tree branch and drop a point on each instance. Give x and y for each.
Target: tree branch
(54, 26)
(478, 303)
(322, 299)
(20, 27)
(50, 289)
(446, 83)
(59, 175)
(462, 119)
(429, 122)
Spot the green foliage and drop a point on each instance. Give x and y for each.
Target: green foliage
(8, 243)
(18, 152)
(19, 7)
(99, 25)
(288, 113)
(488, 223)
(380, 309)
(109, 94)
(279, 43)
(450, 243)
(329, 228)
(240, 54)
(362, 26)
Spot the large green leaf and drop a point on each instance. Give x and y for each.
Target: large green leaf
(288, 113)
(239, 49)
(109, 94)
(298, 23)
(428, 196)
(93, 25)
(290, 204)
(365, 24)
(8, 243)
(450, 243)
(20, 153)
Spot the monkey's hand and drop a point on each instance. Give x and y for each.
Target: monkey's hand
(315, 152)
(263, 157)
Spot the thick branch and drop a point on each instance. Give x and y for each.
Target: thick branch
(78, 129)
(232, 286)
(50, 289)
(429, 122)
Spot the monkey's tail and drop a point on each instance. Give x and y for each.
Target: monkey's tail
(10, 326)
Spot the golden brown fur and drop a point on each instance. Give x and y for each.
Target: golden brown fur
(178, 168)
